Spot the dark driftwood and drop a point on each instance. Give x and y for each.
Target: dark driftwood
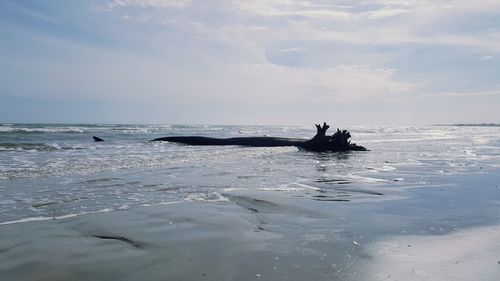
(339, 141)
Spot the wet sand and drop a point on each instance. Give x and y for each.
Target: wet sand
(186, 241)
(471, 254)
(280, 235)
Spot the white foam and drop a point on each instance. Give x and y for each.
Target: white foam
(45, 129)
(409, 139)
(160, 204)
(234, 189)
(472, 254)
(364, 178)
(209, 197)
(470, 154)
(34, 219)
(281, 188)
(304, 186)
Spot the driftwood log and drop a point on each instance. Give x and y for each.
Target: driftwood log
(339, 141)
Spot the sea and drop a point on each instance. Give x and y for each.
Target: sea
(423, 203)
(51, 171)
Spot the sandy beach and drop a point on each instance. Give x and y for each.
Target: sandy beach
(245, 238)
(132, 210)
(186, 241)
(469, 254)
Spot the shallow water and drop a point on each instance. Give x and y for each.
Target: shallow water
(315, 211)
(57, 170)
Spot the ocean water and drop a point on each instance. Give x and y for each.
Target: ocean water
(51, 171)
(422, 204)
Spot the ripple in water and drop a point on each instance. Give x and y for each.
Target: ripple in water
(53, 171)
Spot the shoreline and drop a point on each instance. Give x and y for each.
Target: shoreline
(243, 239)
(467, 254)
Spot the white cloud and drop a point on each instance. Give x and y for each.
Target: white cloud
(442, 5)
(288, 8)
(476, 6)
(484, 93)
(263, 22)
(179, 52)
(385, 12)
(97, 74)
(291, 50)
(150, 3)
(344, 83)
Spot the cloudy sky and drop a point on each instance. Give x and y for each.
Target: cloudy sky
(380, 62)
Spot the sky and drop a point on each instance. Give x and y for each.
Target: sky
(380, 62)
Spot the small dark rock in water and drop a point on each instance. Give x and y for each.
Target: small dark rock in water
(97, 138)
(339, 141)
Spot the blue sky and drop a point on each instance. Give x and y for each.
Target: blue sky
(380, 62)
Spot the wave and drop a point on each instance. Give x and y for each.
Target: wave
(218, 198)
(84, 128)
(42, 218)
(91, 158)
(39, 147)
(28, 130)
